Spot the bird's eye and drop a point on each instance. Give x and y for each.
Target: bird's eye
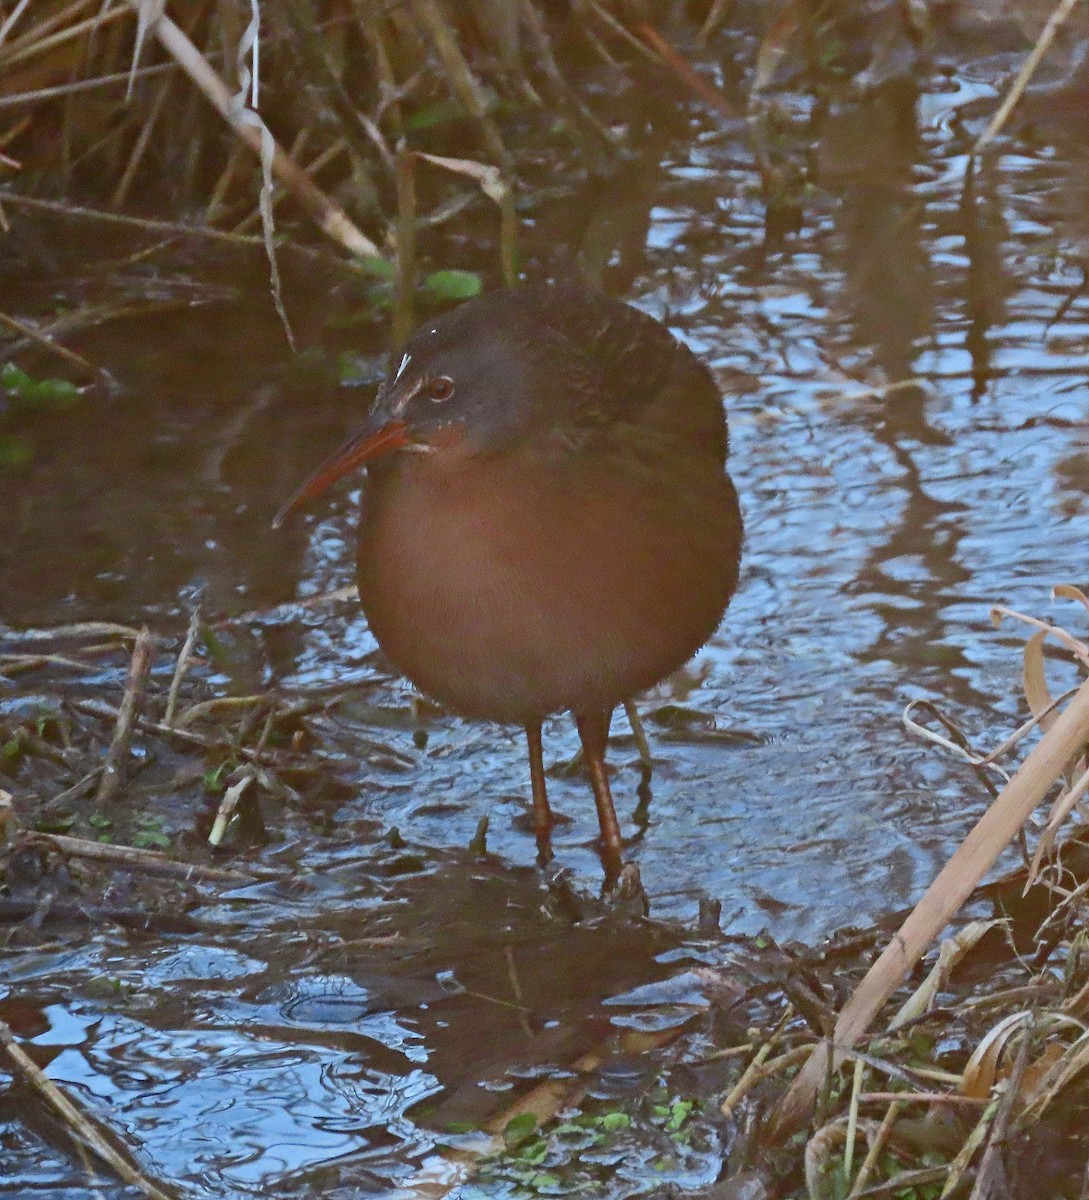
(441, 388)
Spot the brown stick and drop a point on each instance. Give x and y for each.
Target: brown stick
(404, 291)
(168, 228)
(182, 666)
(973, 859)
(1028, 68)
(113, 773)
(684, 69)
(40, 339)
(150, 862)
(464, 82)
(331, 218)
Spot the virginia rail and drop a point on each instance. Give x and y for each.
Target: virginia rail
(547, 519)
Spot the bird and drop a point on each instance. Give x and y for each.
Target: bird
(547, 522)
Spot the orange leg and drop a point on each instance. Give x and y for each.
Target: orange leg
(594, 732)
(542, 814)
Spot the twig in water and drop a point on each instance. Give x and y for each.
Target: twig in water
(227, 805)
(133, 858)
(756, 1070)
(135, 692)
(78, 1123)
(182, 666)
(1043, 43)
(69, 356)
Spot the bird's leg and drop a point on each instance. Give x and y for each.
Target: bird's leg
(542, 814)
(594, 732)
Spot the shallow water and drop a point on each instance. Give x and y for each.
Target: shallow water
(268, 1058)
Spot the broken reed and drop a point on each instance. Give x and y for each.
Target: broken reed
(185, 110)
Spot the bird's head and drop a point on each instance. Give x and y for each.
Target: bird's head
(461, 388)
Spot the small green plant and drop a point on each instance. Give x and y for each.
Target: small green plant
(451, 285)
(22, 396)
(150, 835)
(26, 392)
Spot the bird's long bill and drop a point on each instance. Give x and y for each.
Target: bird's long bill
(368, 444)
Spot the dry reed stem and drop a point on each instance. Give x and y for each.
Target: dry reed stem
(40, 339)
(227, 806)
(877, 1144)
(951, 951)
(82, 85)
(962, 873)
(139, 149)
(210, 708)
(464, 82)
(57, 19)
(639, 732)
(330, 217)
(1043, 43)
(169, 228)
(19, 52)
(404, 290)
(79, 629)
(10, 22)
(565, 94)
(1061, 810)
(967, 1152)
(756, 1071)
(496, 188)
(290, 607)
(990, 1177)
(328, 155)
(182, 665)
(684, 70)
(113, 772)
(81, 1127)
(852, 1119)
(96, 708)
(622, 32)
(1076, 647)
(133, 858)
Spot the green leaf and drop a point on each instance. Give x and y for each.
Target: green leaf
(453, 284)
(15, 451)
(37, 393)
(58, 823)
(151, 839)
(533, 1153)
(614, 1121)
(213, 778)
(519, 1129)
(98, 821)
(679, 1112)
(544, 1180)
(150, 836)
(380, 268)
(435, 114)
